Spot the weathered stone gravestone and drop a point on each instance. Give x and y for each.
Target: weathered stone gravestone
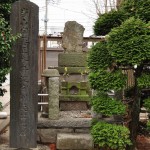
(24, 75)
(74, 91)
(72, 38)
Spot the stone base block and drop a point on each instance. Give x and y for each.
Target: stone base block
(74, 141)
(49, 135)
(67, 106)
(72, 60)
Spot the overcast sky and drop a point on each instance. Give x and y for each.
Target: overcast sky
(63, 11)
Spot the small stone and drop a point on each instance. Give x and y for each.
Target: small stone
(74, 141)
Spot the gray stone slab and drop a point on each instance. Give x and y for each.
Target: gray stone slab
(74, 141)
(24, 75)
(50, 135)
(65, 123)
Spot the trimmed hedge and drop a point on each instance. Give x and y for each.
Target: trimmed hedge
(99, 57)
(107, 21)
(129, 43)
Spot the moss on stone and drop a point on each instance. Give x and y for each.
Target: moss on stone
(72, 60)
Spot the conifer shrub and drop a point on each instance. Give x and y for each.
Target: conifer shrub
(111, 136)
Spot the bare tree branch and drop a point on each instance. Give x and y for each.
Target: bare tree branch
(118, 3)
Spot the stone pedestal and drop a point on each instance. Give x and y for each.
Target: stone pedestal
(74, 90)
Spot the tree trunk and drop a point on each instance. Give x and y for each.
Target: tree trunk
(106, 6)
(118, 3)
(135, 110)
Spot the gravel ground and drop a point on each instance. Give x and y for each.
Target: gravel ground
(75, 114)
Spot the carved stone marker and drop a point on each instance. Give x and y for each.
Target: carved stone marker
(24, 75)
(72, 38)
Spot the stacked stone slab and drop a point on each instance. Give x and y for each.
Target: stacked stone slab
(74, 89)
(66, 133)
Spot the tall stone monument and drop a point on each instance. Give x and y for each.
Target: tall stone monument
(24, 75)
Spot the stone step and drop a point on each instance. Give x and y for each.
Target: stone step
(72, 141)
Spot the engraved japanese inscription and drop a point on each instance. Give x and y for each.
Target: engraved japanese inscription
(24, 75)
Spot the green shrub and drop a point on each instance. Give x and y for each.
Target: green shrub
(144, 80)
(107, 21)
(105, 105)
(96, 52)
(129, 8)
(148, 125)
(129, 44)
(138, 8)
(6, 41)
(147, 104)
(111, 136)
(1, 106)
(105, 81)
(5, 7)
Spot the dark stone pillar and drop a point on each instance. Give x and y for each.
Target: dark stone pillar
(24, 75)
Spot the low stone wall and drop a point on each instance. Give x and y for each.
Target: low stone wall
(48, 129)
(70, 129)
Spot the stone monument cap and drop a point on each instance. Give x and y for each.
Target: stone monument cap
(50, 73)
